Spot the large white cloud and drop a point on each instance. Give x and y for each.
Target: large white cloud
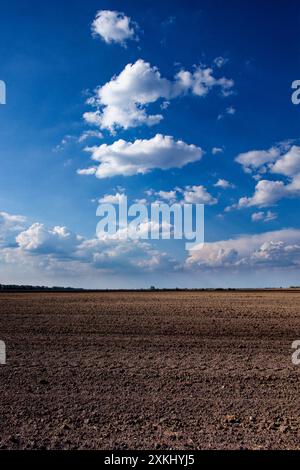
(58, 250)
(266, 193)
(58, 254)
(112, 254)
(283, 160)
(288, 164)
(255, 159)
(39, 239)
(141, 156)
(122, 102)
(113, 26)
(270, 249)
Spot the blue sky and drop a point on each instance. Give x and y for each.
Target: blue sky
(218, 75)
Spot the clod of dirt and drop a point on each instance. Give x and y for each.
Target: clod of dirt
(231, 419)
(44, 382)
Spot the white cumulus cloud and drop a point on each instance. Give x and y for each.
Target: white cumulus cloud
(269, 249)
(39, 239)
(113, 26)
(266, 193)
(141, 156)
(198, 195)
(282, 160)
(122, 102)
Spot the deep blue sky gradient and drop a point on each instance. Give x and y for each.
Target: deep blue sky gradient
(48, 58)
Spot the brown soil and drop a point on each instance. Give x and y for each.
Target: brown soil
(177, 370)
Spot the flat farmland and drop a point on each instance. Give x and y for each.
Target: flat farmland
(150, 370)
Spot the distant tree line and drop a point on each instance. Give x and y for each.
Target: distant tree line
(28, 288)
(14, 288)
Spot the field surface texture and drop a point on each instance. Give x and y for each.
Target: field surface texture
(152, 370)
